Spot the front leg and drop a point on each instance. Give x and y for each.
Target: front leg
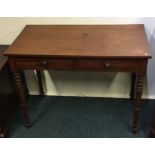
(133, 86)
(22, 98)
(25, 85)
(137, 108)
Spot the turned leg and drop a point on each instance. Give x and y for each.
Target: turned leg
(22, 97)
(137, 108)
(40, 82)
(25, 85)
(133, 86)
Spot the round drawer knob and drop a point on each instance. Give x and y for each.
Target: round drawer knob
(107, 65)
(45, 63)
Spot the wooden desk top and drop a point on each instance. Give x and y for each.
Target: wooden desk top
(104, 41)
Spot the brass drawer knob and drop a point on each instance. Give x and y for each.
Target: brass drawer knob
(107, 65)
(45, 63)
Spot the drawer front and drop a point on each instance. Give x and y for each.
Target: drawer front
(78, 64)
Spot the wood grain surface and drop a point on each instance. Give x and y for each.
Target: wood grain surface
(81, 41)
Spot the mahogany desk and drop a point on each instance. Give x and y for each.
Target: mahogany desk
(108, 48)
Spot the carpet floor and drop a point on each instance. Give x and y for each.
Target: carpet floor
(81, 117)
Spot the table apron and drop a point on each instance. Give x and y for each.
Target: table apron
(80, 64)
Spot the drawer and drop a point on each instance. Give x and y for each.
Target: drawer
(78, 64)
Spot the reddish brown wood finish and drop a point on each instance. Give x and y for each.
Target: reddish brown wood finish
(85, 64)
(133, 88)
(119, 48)
(99, 41)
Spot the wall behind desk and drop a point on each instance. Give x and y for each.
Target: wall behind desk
(83, 83)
